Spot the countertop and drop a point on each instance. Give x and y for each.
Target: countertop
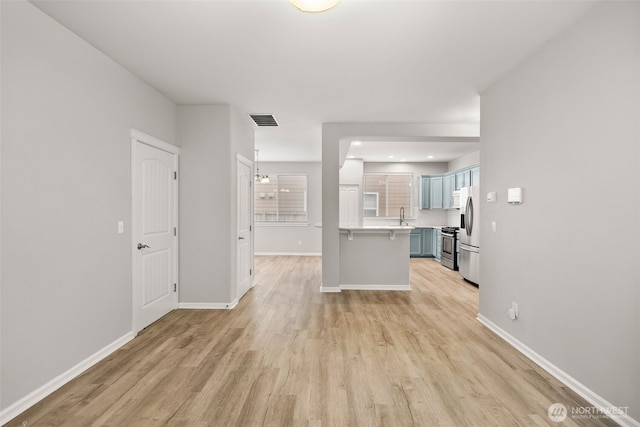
(379, 227)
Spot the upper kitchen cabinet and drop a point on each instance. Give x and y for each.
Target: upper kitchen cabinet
(463, 179)
(467, 177)
(475, 175)
(431, 192)
(425, 192)
(448, 186)
(436, 192)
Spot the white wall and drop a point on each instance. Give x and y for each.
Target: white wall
(283, 239)
(67, 111)
(210, 136)
(461, 162)
(203, 134)
(351, 172)
(565, 126)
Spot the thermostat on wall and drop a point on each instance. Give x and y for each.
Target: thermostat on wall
(491, 197)
(514, 196)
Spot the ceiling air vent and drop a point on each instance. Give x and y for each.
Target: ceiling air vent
(264, 120)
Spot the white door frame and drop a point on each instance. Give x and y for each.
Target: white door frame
(136, 297)
(242, 159)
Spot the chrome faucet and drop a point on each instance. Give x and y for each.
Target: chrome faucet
(401, 215)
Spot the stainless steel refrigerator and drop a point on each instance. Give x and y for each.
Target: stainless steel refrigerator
(469, 234)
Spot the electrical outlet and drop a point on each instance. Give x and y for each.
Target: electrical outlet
(299, 242)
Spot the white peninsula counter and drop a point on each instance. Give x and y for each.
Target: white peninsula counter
(375, 258)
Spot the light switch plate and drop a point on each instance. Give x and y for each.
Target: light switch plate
(120, 227)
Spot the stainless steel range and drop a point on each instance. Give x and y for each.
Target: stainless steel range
(449, 255)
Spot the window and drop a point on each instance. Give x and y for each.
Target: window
(385, 194)
(281, 200)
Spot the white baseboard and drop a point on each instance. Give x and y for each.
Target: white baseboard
(288, 253)
(37, 395)
(346, 287)
(208, 305)
(575, 385)
(405, 287)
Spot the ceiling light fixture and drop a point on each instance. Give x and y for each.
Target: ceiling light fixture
(429, 157)
(314, 6)
(262, 179)
(357, 143)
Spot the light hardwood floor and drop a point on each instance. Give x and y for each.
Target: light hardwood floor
(290, 355)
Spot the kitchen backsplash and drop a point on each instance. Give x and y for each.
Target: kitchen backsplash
(453, 218)
(431, 217)
(423, 218)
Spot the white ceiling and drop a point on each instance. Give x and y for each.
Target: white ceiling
(418, 61)
(431, 150)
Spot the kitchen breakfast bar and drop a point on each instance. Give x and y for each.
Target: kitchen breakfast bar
(375, 258)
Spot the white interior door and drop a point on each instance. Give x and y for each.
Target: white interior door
(349, 205)
(154, 230)
(245, 226)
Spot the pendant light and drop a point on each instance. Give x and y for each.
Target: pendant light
(314, 6)
(262, 179)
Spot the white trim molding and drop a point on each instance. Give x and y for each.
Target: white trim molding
(288, 253)
(40, 393)
(153, 141)
(405, 287)
(329, 289)
(244, 160)
(575, 385)
(208, 305)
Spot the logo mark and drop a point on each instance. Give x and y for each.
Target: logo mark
(557, 412)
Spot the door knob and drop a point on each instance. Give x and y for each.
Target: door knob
(141, 246)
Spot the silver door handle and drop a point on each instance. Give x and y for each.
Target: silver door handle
(141, 246)
(240, 238)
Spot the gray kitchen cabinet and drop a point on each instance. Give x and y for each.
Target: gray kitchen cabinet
(415, 242)
(463, 179)
(475, 175)
(438, 242)
(427, 243)
(425, 188)
(435, 196)
(436, 191)
(422, 242)
(448, 186)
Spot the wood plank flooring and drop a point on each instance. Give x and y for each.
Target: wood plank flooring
(289, 355)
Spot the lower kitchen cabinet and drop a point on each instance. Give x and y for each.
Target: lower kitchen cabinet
(415, 242)
(423, 242)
